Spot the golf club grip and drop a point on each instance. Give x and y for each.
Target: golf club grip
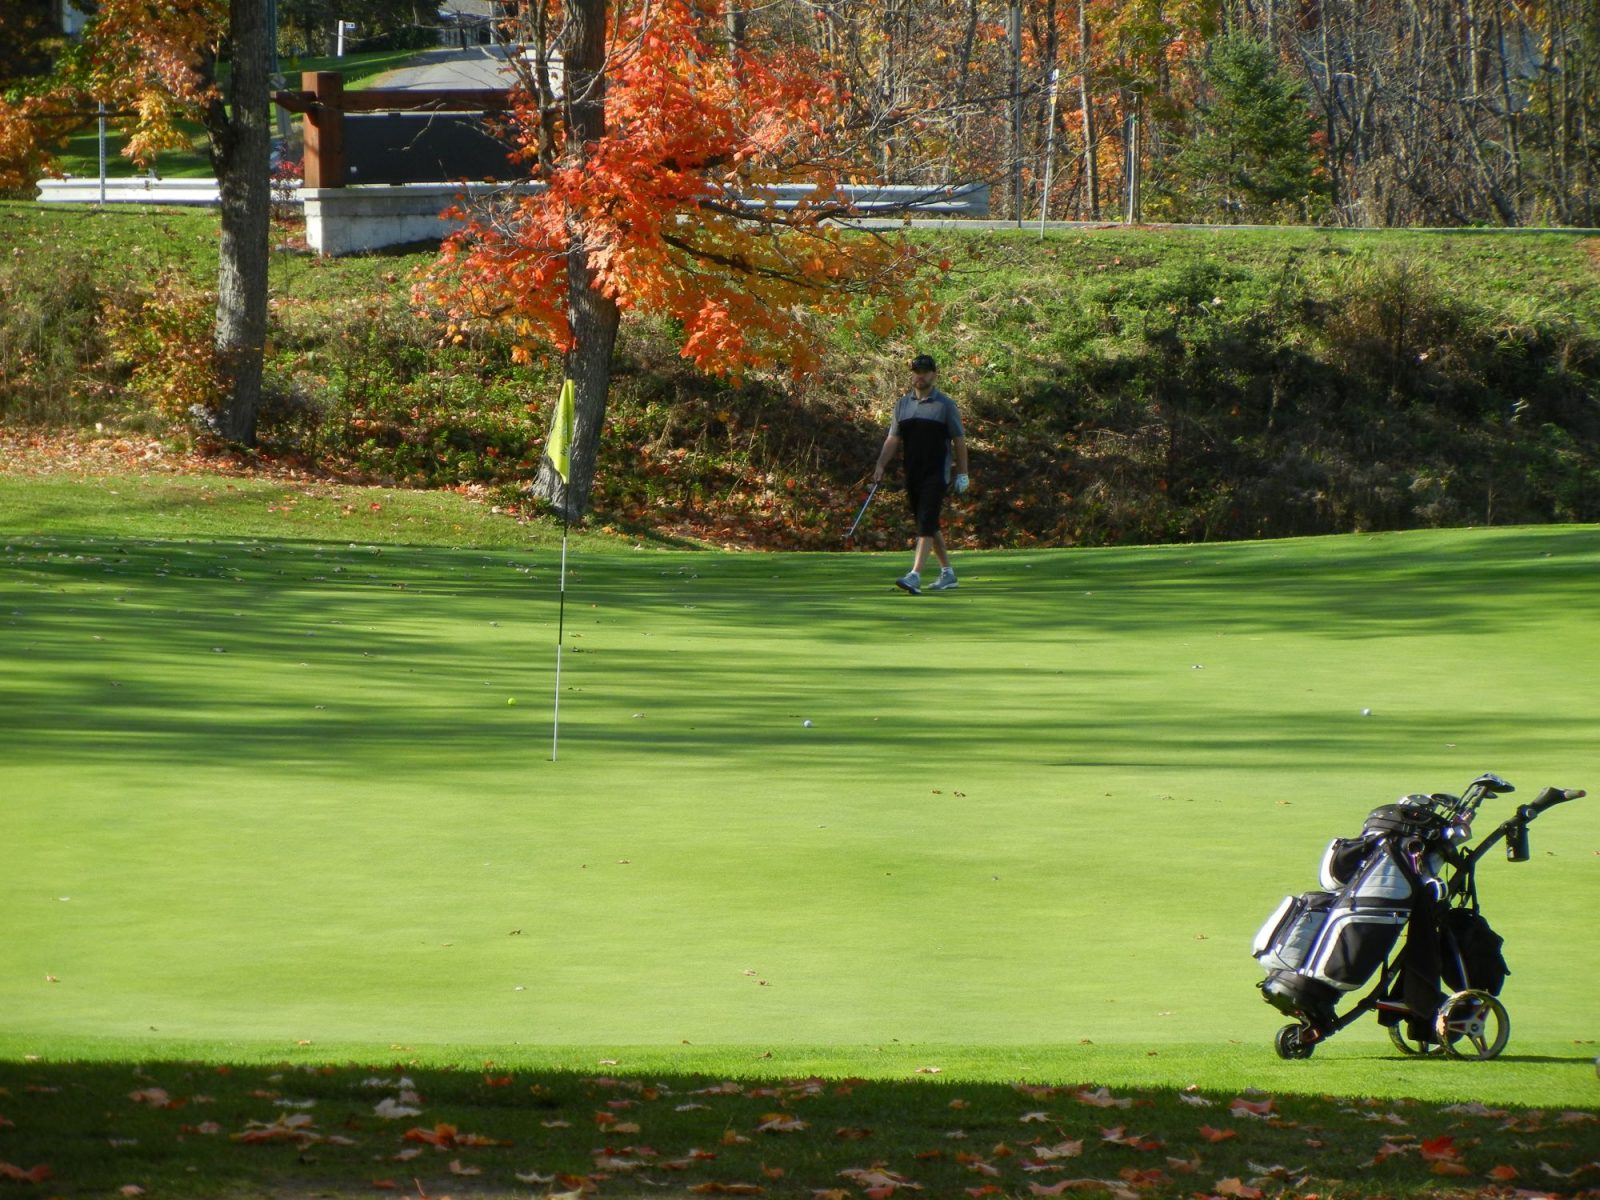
(1550, 797)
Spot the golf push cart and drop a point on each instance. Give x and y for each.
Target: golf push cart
(1409, 871)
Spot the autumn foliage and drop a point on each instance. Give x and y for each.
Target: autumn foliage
(675, 207)
(150, 67)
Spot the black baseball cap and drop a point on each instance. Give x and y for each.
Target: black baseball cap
(923, 362)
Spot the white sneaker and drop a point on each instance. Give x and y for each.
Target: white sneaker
(946, 580)
(910, 582)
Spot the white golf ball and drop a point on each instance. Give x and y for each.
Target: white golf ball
(1366, 712)
(807, 724)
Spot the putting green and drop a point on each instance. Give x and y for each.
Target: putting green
(260, 793)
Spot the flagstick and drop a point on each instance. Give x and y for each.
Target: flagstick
(561, 625)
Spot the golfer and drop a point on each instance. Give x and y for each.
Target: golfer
(926, 426)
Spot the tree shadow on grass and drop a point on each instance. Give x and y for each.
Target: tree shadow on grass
(347, 654)
(487, 1129)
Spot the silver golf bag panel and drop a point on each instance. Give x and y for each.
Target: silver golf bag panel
(1320, 944)
(1285, 941)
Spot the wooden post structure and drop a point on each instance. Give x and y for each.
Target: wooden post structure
(325, 157)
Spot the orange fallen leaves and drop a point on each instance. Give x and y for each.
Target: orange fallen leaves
(1439, 1149)
(1217, 1135)
(1118, 1135)
(713, 1188)
(445, 1136)
(16, 1174)
(1237, 1188)
(155, 1097)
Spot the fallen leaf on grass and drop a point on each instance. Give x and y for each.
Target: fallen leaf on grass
(130, 1189)
(392, 1110)
(1233, 1186)
(875, 1178)
(1102, 1098)
(36, 1174)
(534, 1177)
(928, 1070)
(155, 1097)
(852, 1134)
(456, 1168)
(726, 1189)
(1439, 1149)
(1078, 1185)
(778, 1123)
(1474, 1110)
(1197, 1101)
(1030, 1117)
(1119, 1136)
(1503, 1174)
(1445, 1166)
(1068, 1149)
(1217, 1135)
(1386, 1151)
(1572, 1174)
(445, 1137)
(1252, 1108)
(1143, 1177)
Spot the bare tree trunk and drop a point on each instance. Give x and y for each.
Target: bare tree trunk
(1091, 160)
(594, 316)
(240, 149)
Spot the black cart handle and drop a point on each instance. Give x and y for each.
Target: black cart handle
(1549, 798)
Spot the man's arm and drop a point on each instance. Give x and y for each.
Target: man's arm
(960, 445)
(891, 446)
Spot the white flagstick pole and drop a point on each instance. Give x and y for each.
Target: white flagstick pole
(561, 625)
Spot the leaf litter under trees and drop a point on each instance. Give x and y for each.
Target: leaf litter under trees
(188, 1129)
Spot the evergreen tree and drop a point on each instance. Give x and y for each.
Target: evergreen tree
(1252, 156)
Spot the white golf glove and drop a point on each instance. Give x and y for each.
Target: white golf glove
(962, 483)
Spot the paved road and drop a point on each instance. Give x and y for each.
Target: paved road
(478, 67)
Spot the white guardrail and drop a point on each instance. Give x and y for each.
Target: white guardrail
(946, 199)
(138, 190)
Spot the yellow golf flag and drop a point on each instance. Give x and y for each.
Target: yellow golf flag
(559, 446)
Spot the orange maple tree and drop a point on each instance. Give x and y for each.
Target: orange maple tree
(658, 145)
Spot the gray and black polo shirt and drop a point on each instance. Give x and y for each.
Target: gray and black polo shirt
(925, 429)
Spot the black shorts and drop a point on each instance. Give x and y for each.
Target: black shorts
(925, 497)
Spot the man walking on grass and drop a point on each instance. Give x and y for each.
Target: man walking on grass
(926, 426)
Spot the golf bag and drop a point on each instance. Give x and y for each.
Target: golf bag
(1409, 872)
(1318, 945)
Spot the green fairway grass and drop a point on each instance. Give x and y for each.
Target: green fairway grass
(266, 798)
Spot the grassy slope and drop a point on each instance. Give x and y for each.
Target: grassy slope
(1030, 832)
(1107, 397)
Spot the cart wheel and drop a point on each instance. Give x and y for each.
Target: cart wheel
(1288, 1043)
(1473, 1024)
(1404, 1043)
